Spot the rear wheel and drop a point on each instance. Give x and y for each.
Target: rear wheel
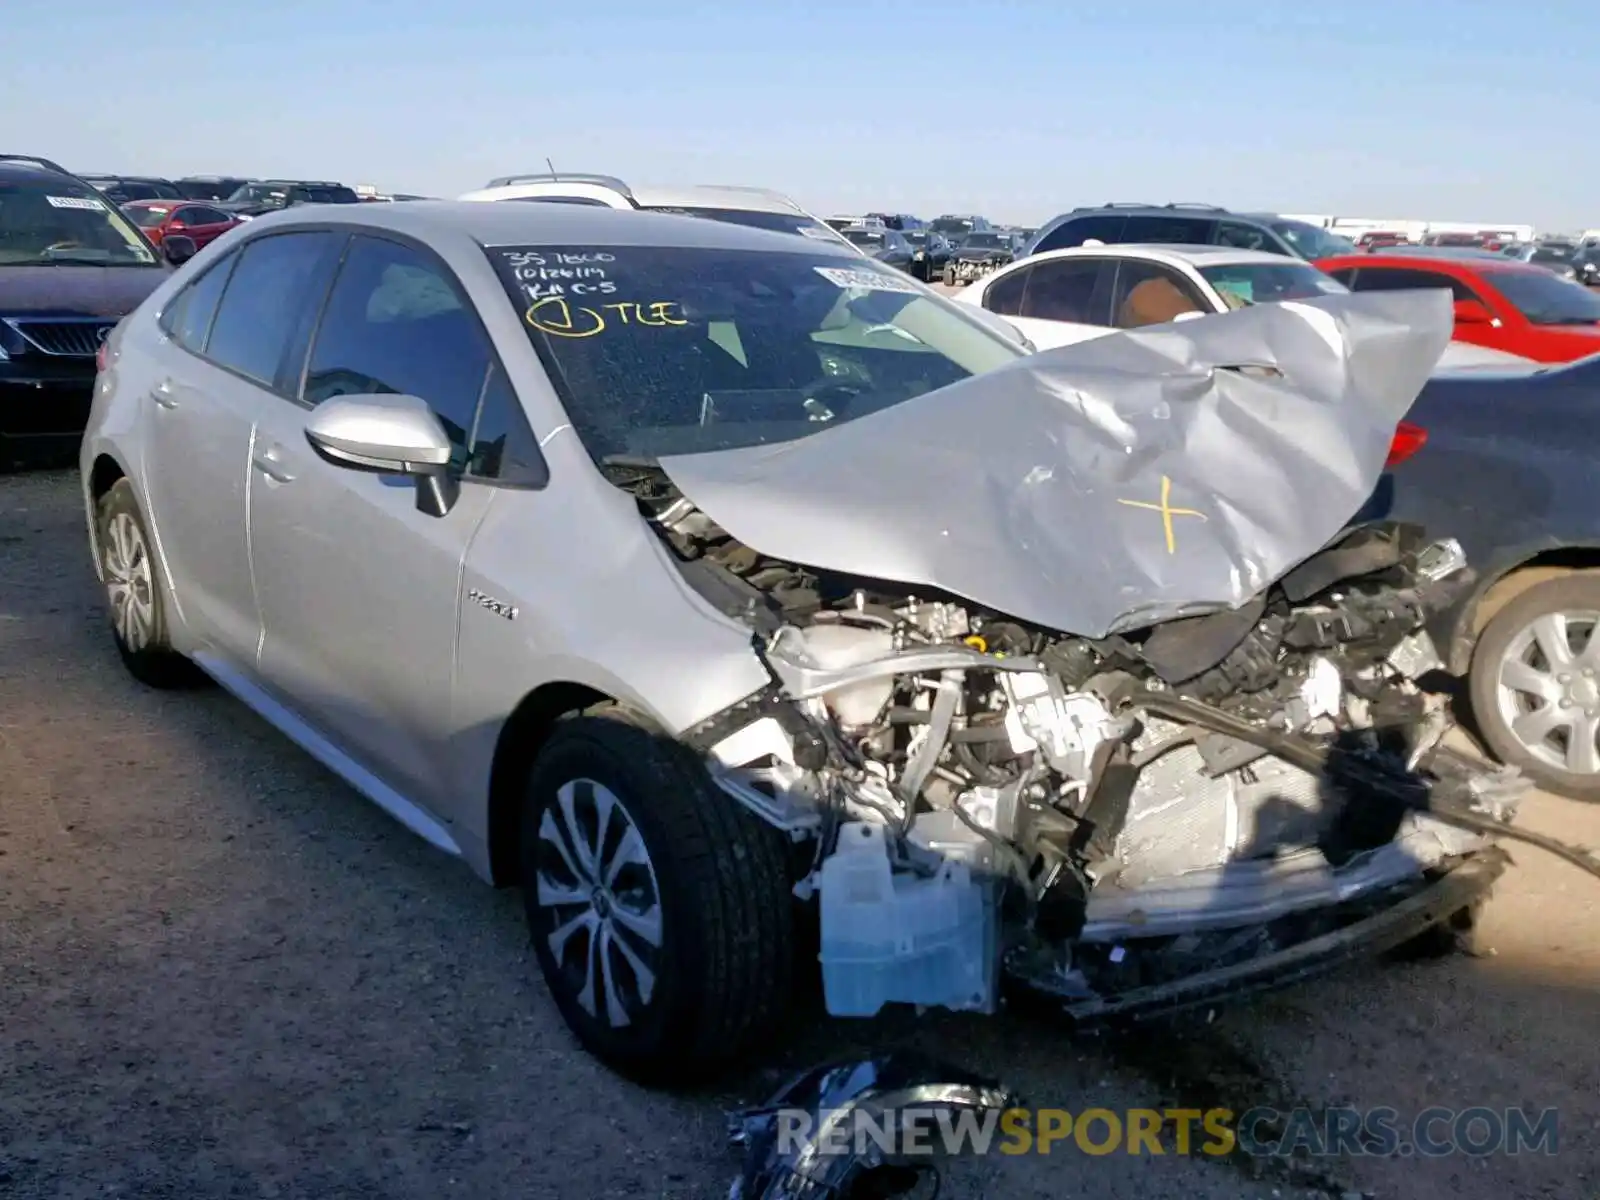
(660, 909)
(135, 596)
(1535, 685)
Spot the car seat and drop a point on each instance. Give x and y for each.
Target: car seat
(1153, 302)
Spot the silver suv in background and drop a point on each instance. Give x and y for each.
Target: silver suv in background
(759, 208)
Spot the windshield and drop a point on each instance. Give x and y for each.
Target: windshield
(677, 350)
(864, 237)
(1241, 284)
(985, 241)
(955, 225)
(261, 193)
(917, 237)
(147, 216)
(1547, 299)
(1310, 242)
(777, 222)
(1555, 254)
(57, 221)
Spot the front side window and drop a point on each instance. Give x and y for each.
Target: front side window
(1068, 290)
(272, 286)
(396, 323)
(1245, 237)
(1102, 227)
(62, 222)
(660, 350)
(1240, 284)
(1546, 299)
(1310, 242)
(1151, 294)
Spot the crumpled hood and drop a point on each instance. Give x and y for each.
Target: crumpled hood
(76, 290)
(1106, 485)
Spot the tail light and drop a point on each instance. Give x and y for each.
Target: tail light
(1408, 439)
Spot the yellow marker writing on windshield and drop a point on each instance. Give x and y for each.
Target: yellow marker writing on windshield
(555, 316)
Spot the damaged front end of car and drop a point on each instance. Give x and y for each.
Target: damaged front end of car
(1072, 752)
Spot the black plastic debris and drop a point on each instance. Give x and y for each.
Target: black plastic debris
(806, 1143)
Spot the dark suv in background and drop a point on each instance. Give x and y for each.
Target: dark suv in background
(71, 266)
(269, 195)
(1189, 225)
(120, 189)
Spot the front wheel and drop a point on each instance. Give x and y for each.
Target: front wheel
(660, 909)
(1535, 685)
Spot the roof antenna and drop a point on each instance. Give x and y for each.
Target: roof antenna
(552, 167)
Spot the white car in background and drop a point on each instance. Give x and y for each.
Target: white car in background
(759, 208)
(1067, 296)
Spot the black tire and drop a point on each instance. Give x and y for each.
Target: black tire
(1571, 594)
(949, 277)
(723, 967)
(143, 645)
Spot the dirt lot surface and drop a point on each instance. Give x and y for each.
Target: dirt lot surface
(223, 974)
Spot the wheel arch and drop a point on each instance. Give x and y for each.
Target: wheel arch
(103, 475)
(521, 737)
(1493, 594)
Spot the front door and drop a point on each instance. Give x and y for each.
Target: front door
(359, 591)
(207, 378)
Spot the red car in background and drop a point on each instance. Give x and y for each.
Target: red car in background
(201, 222)
(1511, 306)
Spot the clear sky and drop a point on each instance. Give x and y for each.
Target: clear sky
(1441, 109)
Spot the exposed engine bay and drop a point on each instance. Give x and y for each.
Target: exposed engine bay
(1098, 814)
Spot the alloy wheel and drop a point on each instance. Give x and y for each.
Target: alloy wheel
(601, 906)
(1548, 690)
(129, 581)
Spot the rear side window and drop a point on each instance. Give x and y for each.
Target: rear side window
(188, 319)
(1102, 227)
(396, 323)
(1004, 295)
(273, 284)
(1245, 237)
(1068, 290)
(1185, 231)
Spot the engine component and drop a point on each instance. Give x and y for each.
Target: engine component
(834, 645)
(1067, 727)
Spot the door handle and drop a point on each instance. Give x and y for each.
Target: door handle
(269, 461)
(162, 394)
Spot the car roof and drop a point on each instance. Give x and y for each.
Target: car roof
(15, 171)
(1196, 256)
(697, 195)
(549, 224)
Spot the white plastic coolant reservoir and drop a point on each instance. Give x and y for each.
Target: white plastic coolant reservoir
(889, 938)
(835, 646)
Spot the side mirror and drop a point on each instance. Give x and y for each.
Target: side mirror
(387, 435)
(1473, 312)
(178, 248)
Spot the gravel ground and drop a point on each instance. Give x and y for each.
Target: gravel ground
(223, 974)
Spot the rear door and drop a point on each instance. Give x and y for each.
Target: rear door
(226, 335)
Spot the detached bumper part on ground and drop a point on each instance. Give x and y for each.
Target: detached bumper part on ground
(784, 1163)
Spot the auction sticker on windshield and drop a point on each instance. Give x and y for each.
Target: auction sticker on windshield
(868, 280)
(75, 202)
